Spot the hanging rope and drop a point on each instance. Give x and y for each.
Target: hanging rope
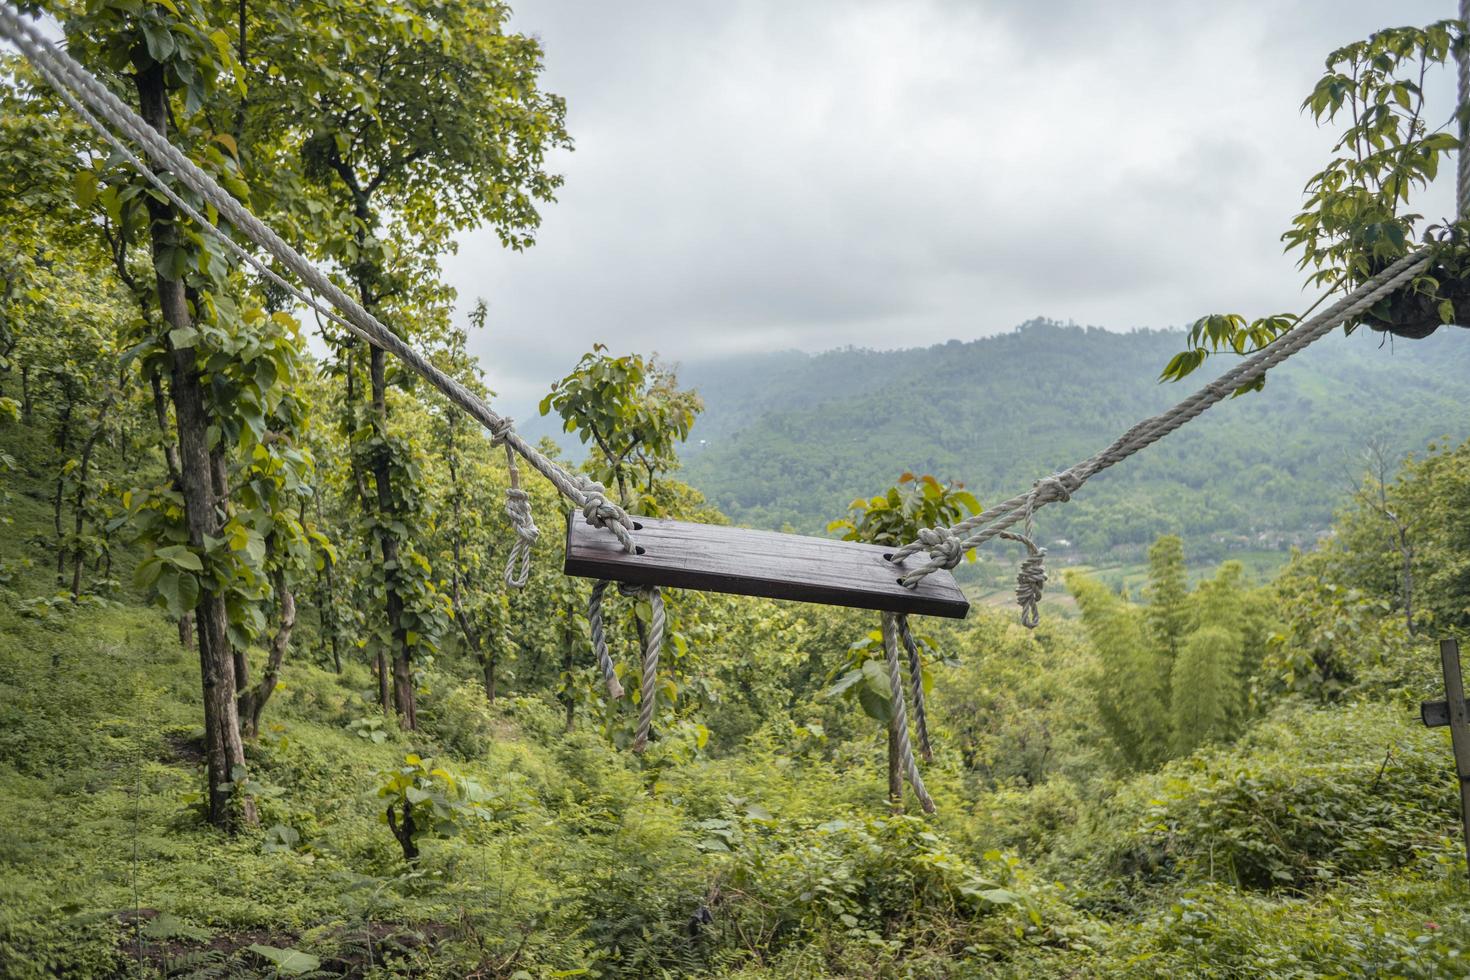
(652, 647)
(1030, 580)
(86, 96)
(916, 682)
(518, 509)
(898, 699)
(946, 546)
(648, 695)
(599, 641)
(1462, 59)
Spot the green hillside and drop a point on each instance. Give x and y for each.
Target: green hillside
(790, 438)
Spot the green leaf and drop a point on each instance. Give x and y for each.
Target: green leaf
(180, 557)
(875, 706)
(292, 962)
(844, 683)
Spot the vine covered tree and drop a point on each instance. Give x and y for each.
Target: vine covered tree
(420, 120)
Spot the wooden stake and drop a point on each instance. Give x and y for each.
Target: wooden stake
(1452, 711)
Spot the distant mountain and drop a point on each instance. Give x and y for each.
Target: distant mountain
(791, 438)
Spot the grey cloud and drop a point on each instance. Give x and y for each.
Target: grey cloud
(762, 175)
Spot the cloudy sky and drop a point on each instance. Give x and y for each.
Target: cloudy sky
(759, 175)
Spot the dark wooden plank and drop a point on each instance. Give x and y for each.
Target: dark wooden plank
(711, 558)
(1434, 714)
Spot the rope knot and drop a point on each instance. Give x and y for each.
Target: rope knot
(518, 563)
(1058, 488)
(500, 428)
(943, 545)
(601, 512)
(1030, 582)
(1030, 579)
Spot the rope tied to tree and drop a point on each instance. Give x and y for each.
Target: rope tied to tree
(518, 509)
(899, 701)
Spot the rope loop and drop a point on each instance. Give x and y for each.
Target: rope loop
(943, 545)
(652, 649)
(899, 701)
(599, 640)
(653, 646)
(1030, 579)
(916, 683)
(518, 563)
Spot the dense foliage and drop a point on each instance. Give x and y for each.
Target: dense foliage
(788, 438)
(270, 704)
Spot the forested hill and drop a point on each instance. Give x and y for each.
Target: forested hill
(791, 438)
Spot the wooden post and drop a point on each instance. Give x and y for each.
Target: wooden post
(1453, 712)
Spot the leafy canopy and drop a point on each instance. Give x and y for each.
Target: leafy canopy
(1356, 220)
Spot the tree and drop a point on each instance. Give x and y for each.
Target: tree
(1174, 674)
(893, 518)
(633, 413)
(1167, 594)
(418, 120)
(1132, 687)
(174, 66)
(225, 536)
(1356, 220)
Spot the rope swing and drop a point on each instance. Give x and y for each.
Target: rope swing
(913, 579)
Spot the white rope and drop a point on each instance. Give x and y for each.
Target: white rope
(898, 700)
(599, 640)
(518, 509)
(1462, 57)
(916, 683)
(946, 546)
(86, 95)
(652, 648)
(1030, 579)
(648, 695)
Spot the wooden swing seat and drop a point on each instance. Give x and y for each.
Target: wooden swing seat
(713, 558)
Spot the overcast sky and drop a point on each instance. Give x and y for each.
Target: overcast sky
(761, 175)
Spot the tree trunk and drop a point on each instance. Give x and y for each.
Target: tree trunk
(403, 693)
(56, 523)
(568, 646)
(895, 773)
(79, 503)
(223, 748)
(253, 700)
(385, 696)
(404, 829)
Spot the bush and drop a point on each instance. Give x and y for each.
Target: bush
(1307, 798)
(458, 717)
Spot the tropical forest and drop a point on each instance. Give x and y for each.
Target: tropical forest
(300, 676)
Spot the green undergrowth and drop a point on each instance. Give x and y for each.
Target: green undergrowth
(592, 860)
(1320, 844)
